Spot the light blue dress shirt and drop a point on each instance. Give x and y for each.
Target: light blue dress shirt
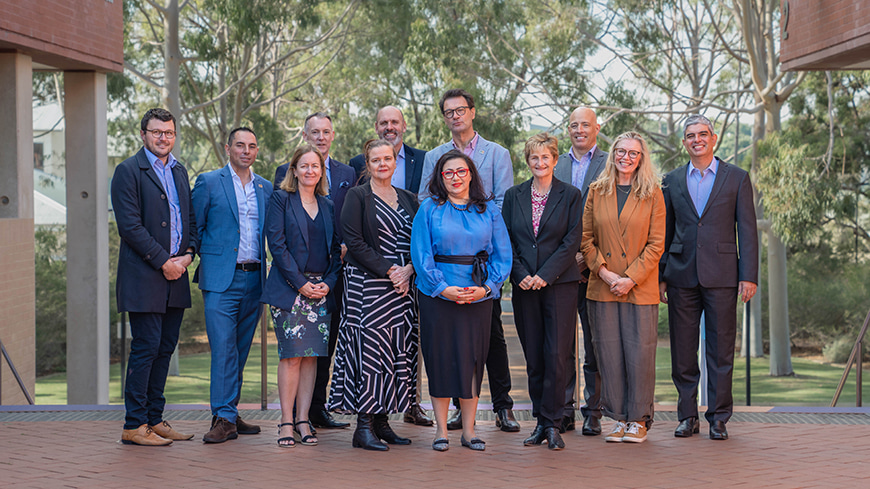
(444, 230)
(579, 167)
(249, 220)
(164, 174)
(701, 184)
(398, 179)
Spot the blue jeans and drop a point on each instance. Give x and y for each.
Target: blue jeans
(154, 338)
(230, 322)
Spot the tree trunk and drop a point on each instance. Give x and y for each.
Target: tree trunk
(172, 67)
(777, 279)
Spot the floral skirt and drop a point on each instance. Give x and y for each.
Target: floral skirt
(303, 331)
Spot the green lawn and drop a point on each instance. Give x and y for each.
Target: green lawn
(812, 385)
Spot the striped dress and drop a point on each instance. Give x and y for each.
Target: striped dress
(375, 368)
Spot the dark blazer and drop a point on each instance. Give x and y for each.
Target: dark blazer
(287, 233)
(342, 178)
(413, 168)
(359, 225)
(142, 214)
(719, 248)
(563, 170)
(550, 255)
(217, 221)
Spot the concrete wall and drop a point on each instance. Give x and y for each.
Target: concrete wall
(17, 301)
(825, 34)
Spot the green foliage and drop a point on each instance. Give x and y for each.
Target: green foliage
(839, 350)
(50, 275)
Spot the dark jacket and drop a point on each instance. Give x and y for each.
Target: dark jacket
(287, 234)
(359, 227)
(550, 254)
(141, 210)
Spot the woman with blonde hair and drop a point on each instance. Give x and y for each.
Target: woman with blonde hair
(623, 239)
(306, 259)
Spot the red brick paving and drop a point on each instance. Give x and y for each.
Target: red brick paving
(88, 454)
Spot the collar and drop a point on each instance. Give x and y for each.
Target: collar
(714, 167)
(236, 175)
(152, 158)
(591, 153)
(471, 144)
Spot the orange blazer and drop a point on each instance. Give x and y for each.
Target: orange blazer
(630, 244)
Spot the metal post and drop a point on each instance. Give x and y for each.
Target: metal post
(264, 324)
(855, 350)
(15, 373)
(748, 356)
(858, 373)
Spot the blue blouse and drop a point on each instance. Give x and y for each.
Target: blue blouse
(444, 230)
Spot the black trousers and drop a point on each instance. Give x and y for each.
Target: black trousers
(497, 368)
(719, 306)
(318, 398)
(546, 324)
(592, 390)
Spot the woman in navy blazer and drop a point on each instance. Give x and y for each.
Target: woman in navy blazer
(543, 218)
(306, 258)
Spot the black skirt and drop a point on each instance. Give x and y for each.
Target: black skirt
(454, 339)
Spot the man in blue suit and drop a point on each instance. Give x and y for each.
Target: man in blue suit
(230, 206)
(151, 202)
(497, 175)
(390, 126)
(318, 131)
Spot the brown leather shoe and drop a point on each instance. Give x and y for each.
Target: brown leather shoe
(246, 428)
(221, 431)
(164, 430)
(416, 415)
(145, 436)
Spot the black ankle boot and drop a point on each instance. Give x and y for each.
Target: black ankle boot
(383, 431)
(364, 436)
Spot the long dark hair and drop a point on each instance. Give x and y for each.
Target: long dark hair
(476, 195)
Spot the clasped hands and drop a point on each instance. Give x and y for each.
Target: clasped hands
(175, 267)
(314, 291)
(401, 278)
(619, 286)
(464, 295)
(532, 283)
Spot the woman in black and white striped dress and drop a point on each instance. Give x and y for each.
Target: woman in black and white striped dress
(375, 371)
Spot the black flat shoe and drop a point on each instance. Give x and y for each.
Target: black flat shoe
(554, 439)
(687, 427)
(591, 426)
(506, 422)
(718, 431)
(321, 418)
(536, 438)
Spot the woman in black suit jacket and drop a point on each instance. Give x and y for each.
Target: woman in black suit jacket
(375, 371)
(306, 258)
(542, 216)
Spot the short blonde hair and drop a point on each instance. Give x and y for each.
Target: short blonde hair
(542, 140)
(645, 179)
(291, 183)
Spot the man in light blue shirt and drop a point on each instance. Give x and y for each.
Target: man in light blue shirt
(496, 172)
(230, 205)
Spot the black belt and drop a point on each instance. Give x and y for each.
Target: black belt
(248, 267)
(479, 273)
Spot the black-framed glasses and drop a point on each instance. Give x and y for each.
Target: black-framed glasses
(156, 133)
(460, 111)
(461, 173)
(631, 154)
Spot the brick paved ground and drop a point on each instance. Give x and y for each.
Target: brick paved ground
(792, 451)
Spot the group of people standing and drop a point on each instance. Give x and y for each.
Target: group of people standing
(405, 252)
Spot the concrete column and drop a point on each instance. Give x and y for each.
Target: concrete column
(17, 289)
(87, 292)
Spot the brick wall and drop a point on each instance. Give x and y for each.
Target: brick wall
(819, 25)
(17, 302)
(68, 34)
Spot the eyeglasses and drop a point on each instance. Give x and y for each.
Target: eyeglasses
(156, 133)
(461, 173)
(460, 111)
(633, 155)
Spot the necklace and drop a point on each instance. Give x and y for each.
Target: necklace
(460, 209)
(391, 200)
(626, 192)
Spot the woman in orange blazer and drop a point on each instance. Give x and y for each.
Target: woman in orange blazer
(623, 239)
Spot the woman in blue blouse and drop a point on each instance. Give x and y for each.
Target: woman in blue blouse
(462, 253)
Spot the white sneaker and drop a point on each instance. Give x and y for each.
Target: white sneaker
(634, 433)
(616, 434)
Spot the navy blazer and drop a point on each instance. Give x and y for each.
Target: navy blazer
(142, 213)
(217, 221)
(719, 248)
(413, 168)
(342, 178)
(287, 233)
(551, 254)
(359, 223)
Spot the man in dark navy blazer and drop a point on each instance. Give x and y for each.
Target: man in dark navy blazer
(710, 259)
(230, 205)
(390, 126)
(580, 166)
(151, 202)
(318, 131)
